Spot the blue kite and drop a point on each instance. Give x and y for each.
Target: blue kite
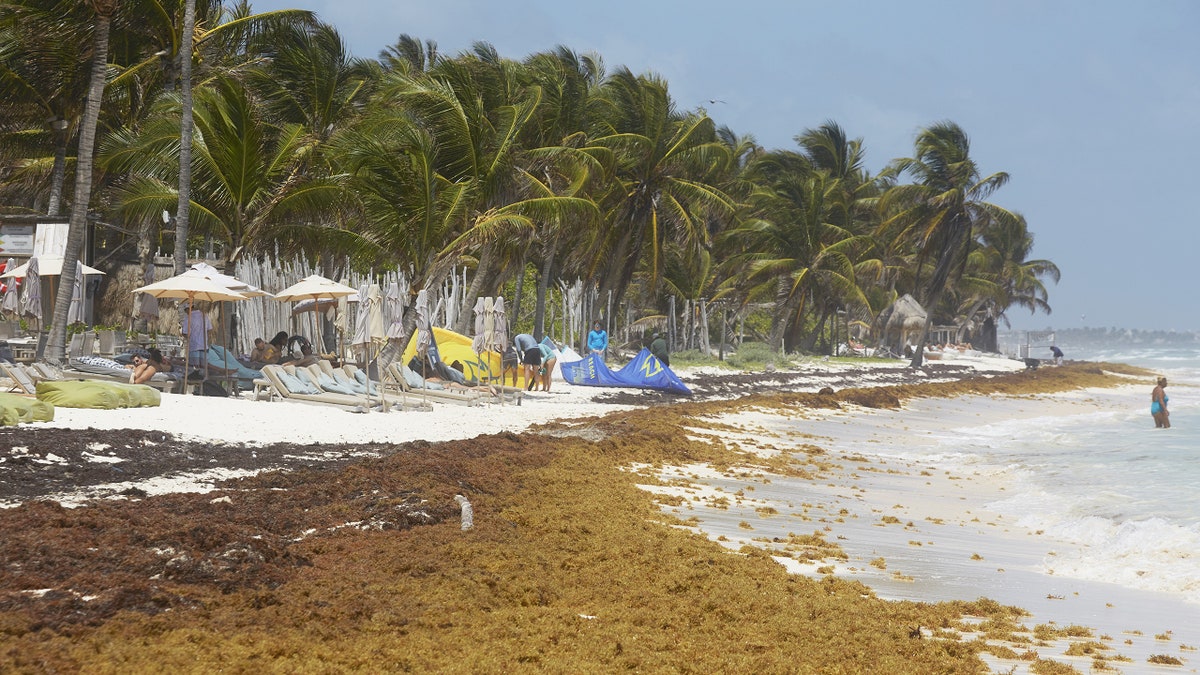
(645, 371)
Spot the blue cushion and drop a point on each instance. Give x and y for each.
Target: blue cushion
(295, 384)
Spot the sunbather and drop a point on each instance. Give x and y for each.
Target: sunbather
(144, 368)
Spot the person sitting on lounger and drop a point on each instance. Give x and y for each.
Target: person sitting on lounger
(144, 368)
(307, 358)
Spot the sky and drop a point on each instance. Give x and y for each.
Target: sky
(1092, 107)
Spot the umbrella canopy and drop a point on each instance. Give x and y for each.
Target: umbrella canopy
(193, 287)
(12, 301)
(232, 283)
(48, 266)
(312, 287)
(31, 296)
(499, 341)
(75, 311)
(393, 308)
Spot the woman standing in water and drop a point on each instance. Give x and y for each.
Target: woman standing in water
(1158, 405)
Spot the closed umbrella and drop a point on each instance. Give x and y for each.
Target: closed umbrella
(31, 295)
(75, 311)
(12, 301)
(478, 343)
(393, 308)
(500, 326)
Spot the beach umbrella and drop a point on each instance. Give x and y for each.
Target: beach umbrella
(478, 344)
(193, 287)
(31, 295)
(369, 326)
(393, 307)
(500, 328)
(75, 310)
(314, 287)
(48, 266)
(12, 301)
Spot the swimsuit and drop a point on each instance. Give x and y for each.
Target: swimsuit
(1155, 408)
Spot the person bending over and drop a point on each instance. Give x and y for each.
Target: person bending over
(531, 358)
(547, 368)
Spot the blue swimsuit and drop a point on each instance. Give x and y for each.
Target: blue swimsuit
(1155, 408)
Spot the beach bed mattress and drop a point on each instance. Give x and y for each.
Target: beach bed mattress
(16, 409)
(98, 394)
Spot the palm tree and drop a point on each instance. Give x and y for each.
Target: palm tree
(942, 211)
(666, 165)
(43, 90)
(56, 343)
(791, 252)
(1013, 279)
(248, 191)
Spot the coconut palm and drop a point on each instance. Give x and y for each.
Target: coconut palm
(55, 345)
(247, 191)
(942, 212)
(791, 252)
(666, 167)
(43, 89)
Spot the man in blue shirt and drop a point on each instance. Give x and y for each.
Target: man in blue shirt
(597, 340)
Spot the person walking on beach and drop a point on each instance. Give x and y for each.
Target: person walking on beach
(1058, 355)
(658, 347)
(1158, 405)
(597, 340)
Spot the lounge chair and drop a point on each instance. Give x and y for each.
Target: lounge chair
(285, 382)
(106, 370)
(394, 378)
(21, 381)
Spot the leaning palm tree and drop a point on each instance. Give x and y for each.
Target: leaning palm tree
(942, 212)
(56, 344)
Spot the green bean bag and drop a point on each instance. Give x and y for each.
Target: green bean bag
(97, 394)
(24, 410)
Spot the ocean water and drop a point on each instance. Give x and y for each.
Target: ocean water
(1124, 494)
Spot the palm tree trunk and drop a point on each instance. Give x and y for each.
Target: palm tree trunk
(539, 313)
(484, 271)
(185, 136)
(58, 175)
(56, 344)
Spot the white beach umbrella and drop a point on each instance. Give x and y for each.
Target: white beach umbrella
(393, 306)
(193, 287)
(314, 287)
(31, 292)
(499, 341)
(48, 266)
(478, 344)
(75, 310)
(12, 301)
